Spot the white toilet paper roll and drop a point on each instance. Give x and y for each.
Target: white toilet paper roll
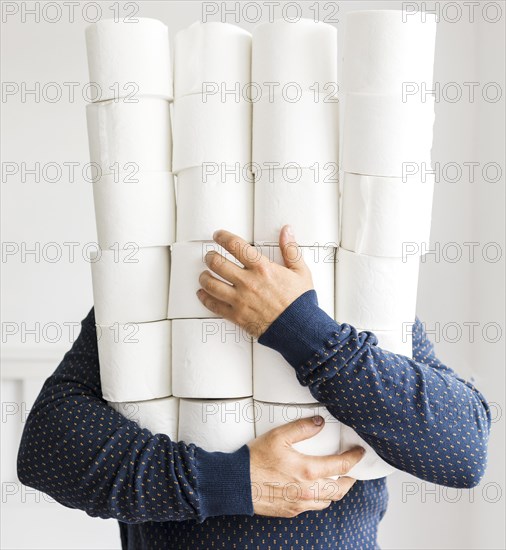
(142, 211)
(217, 425)
(135, 361)
(302, 52)
(384, 49)
(300, 130)
(211, 129)
(130, 285)
(272, 415)
(382, 133)
(274, 379)
(396, 341)
(187, 263)
(127, 59)
(211, 358)
(135, 137)
(12, 411)
(209, 56)
(207, 202)
(159, 416)
(378, 293)
(386, 216)
(370, 466)
(321, 262)
(288, 196)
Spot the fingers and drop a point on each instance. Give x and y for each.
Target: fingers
(337, 489)
(329, 489)
(224, 267)
(217, 288)
(317, 495)
(291, 252)
(286, 483)
(247, 254)
(331, 465)
(299, 430)
(213, 304)
(295, 498)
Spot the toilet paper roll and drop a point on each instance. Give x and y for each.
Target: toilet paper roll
(135, 137)
(386, 216)
(397, 341)
(382, 133)
(384, 49)
(300, 130)
(370, 466)
(138, 209)
(159, 416)
(130, 285)
(272, 415)
(302, 52)
(288, 196)
(187, 263)
(274, 379)
(211, 56)
(211, 129)
(321, 262)
(211, 358)
(127, 59)
(378, 293)
(135, 361)
(207, 202)
(217, 425)
(12, 399)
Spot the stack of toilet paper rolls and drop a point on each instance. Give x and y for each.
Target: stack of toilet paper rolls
(386, 196)
(255, 125)
(295, 131)
(212, 131)
(295, 160)
(129, 132)
(211, 357)
(387, 138)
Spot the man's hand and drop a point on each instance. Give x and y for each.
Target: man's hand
(260, 291)
(285, 482)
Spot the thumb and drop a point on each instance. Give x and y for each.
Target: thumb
(301, 429)
(290, 250)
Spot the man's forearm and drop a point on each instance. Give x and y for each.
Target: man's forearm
(423, 420)
(88, 456)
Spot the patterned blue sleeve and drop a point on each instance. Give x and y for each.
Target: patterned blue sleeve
(416, 413)
(87, 456)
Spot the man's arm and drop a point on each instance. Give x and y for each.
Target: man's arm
(416, 413)
(421, 418)
(88, 456)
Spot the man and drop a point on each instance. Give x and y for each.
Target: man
(416, 413)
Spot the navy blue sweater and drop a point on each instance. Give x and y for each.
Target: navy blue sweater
(417, 414)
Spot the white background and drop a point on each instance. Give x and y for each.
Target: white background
(450, 291)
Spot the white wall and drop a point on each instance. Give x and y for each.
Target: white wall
(461, 292)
